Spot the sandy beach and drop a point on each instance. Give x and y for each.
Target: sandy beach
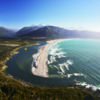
(12, 45)
(39, 67)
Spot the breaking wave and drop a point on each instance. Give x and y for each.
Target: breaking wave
(55, 53)
(76, 60)
(88, 86)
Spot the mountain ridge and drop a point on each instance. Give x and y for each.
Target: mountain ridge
(5, 32)
(58, 32)
(48, 32)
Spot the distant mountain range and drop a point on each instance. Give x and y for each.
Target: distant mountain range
(26, 30)
(5, 32)
(48, 32)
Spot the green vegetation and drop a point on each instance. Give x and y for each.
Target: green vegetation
(6, 50)
(20, 41)
(5, 53)
(12, 89)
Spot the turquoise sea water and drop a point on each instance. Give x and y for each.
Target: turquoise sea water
(69, 62)
(78, 60)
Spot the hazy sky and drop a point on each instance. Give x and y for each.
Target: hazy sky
(75, 14)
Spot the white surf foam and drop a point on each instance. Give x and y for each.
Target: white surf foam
(75, 74)
(70, 62)
(55, 55)
(94, 88)
(64, 66)
(52, 59)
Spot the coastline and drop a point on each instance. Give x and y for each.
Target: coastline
(39, 66)
(13, 52)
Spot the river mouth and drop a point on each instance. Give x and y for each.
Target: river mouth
(19, 66)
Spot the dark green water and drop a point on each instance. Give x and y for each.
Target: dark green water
(69, 62)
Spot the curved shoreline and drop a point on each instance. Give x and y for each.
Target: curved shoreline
(13, 52)
(39, 66)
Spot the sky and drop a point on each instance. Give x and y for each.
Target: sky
(72, 14)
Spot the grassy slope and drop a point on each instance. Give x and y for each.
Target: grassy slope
(11, 89)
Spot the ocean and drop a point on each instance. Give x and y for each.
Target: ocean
(77, 60)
